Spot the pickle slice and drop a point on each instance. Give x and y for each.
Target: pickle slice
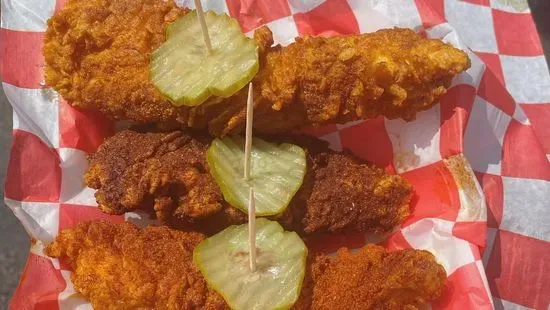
(280, 266)
(184, 71)
(276, 173)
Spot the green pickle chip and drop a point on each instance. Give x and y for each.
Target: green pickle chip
(223, 259)
(183, 70)
(276, 173)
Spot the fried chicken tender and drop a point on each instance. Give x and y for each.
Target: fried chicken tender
(342, 193)
(315, 81)
(119, 266)
(161, 172)
(167, 173)
(372, 279)
(98, 52)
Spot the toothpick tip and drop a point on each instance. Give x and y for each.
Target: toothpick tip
(252, 229)
(204, 28)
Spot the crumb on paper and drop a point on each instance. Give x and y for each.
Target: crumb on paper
(472, 203)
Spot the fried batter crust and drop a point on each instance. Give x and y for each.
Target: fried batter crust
(97, 55)
(372, 279)
(119, 266)
(315, 81)
(167, 173)
(345, 194)
(162, 172)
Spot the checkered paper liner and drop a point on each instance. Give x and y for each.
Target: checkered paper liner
(479, 160)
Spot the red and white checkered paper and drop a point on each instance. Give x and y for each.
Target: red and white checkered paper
(486, 222)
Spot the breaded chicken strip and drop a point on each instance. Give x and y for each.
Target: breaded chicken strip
(119, 266)
(167, 173)
(372, 279)
(98, 52)
(97, 55)
(316, 81)
(342, 193)
(162, 172)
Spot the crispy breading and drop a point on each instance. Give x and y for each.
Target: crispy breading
(161, 172)
(372, 278)
(98, 52)
(97, 55)
(342, 193)
(315, 81)
(119, 266)
(167, 173)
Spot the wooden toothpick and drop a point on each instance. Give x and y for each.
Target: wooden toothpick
(204, 28)
(248, 141)
(252, 229)
(251, 203)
